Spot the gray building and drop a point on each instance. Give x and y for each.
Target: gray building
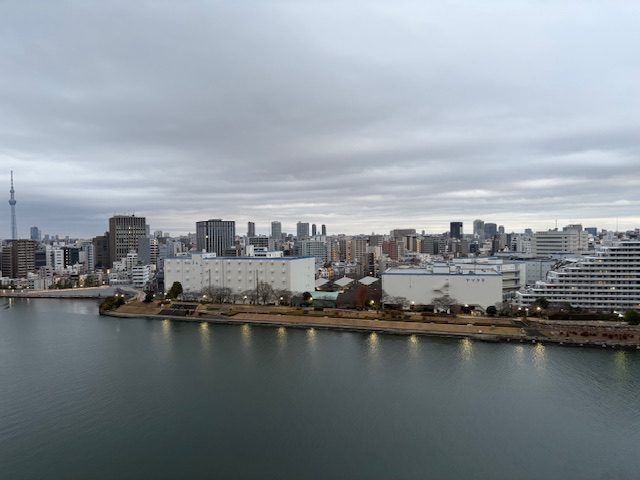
(215, 235)
(124, 234)
(302, 230)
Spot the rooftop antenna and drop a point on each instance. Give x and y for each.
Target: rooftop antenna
(12, 202)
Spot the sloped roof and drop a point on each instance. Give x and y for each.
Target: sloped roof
(343, 282)
(321, 282)
(325, 295)
(368, 280)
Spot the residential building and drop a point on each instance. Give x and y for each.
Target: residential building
(554, 241)
(455, 230)
(605, 281)
(276, 230)
(302, 230)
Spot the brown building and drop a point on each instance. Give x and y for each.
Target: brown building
(18, 258)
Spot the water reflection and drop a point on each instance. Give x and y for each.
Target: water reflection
(540, 358)
(205, 336)
(414, 346)
(466, 350)
(374, 345)
(311, 339)
(245, 332)
(620, 365)
(518, 353)
(167, 335)
(282, 339)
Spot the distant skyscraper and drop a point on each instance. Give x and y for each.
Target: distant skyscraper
(478, 228)
(314, 231)
(490, 229)
(124, 234)
(35, 234)
(324, 230)
(215, 235)
(251, 229)
(12, 202)
(501, 229)
(276, 230)
(302, 230)
(456, 230)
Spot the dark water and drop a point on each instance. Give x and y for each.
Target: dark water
(88, 397)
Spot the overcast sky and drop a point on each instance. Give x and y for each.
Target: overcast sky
(364, 116)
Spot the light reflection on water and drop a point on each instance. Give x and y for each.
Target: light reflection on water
(540, 358)
(414, 346)
(621, 364)
(518, 353)
(466, 350)
(282, 339)
(205, 336)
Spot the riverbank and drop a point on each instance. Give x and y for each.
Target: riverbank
(489, 329)
(69, 293)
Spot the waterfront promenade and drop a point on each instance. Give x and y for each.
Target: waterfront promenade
(78, 293)
(492, 329)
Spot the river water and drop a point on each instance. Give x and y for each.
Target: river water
(84, 396)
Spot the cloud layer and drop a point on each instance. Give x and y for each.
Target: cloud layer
(363, 116)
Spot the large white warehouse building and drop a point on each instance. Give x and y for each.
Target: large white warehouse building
(472, 287)
(204, 270)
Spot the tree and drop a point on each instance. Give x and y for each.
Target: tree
(175, 290)
(265, 292)
(148, 297)
(632, 317)
(491, 310)
(361, 297)
(444, 303)
(283, 296)
(401, 302)
(542, 302)
(307, 298)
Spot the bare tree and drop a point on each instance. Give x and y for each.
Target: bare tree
(283, 295)
(264, 292)
(444, 303)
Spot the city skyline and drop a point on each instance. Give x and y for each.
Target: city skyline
(362, 117)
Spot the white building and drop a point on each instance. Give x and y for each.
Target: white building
(608, 280)
(140, 275)
(570, 240)
(482, 287)
(204, 270)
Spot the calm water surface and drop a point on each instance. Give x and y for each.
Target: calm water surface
(82, 396)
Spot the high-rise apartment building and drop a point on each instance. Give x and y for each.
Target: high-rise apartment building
(18, 258)
(323, 229)
(455, 230)
(215, 235)
(314, 230)
(251, 229)
(124, 234)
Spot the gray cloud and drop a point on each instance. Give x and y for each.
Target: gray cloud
(363, 116)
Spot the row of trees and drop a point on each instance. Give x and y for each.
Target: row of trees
(264, 293)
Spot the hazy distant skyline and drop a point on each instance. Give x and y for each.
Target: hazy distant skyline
(364, 116)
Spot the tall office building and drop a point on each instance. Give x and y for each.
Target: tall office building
(490, 229)
(276, 230)
(251, 229)
(478, 229)
(324, 230)
(314, 230)
(35, 234)
(302, 230)
(455, 230)
(124, 234)
(215, 235)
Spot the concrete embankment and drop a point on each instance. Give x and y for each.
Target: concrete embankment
(502, 331)
(489, 334)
